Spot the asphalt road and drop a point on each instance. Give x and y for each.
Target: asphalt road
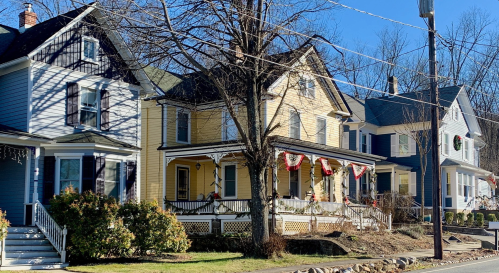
(490, 265)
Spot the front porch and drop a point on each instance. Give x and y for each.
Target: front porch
(209, 183)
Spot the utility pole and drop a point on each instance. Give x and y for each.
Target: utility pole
(426, 9)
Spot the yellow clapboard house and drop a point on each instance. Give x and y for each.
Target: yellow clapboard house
(185, 138)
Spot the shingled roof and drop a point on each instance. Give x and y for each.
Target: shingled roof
(385, 111)
(93, 138)
(7, 130)
(14, 45)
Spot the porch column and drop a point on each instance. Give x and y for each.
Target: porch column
(312, 171)
(216, 159)
(372, 177)
(393, 180)
(344, 186)
(35, 185)
(166, 161)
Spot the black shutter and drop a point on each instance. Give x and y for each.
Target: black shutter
(88, 174)
(100, 169)
(72, 104)
(104, 110)
(131, 177)
(48, 178)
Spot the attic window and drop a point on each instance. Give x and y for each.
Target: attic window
(90, 49)
(307, 87)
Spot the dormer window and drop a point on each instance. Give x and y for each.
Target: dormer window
(90, 49)
(307, 87)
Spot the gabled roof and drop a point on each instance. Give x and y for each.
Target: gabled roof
(93, 138)
(386, 111)
(15, 45)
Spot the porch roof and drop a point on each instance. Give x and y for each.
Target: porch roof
(455, 163)
(8, 131)
(279, 142)
(94, 138)
(384, 164)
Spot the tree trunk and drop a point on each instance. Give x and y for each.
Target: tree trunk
(259, 208)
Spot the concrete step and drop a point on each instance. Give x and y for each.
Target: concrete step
(26, 242)
(28, 247)
(33, 266)
(23, 230)
(25, 236)
(31, 261)
(31, 254)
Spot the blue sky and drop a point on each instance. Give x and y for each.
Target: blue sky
(357, 27)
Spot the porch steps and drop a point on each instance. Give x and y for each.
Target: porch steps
(26, 248)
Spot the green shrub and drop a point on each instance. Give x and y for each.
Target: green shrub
(94, 230)
(460, 218)
(4, 224)
(449, 217)
(492, 217)
(480, 219)
(470, 219)
(155, 230)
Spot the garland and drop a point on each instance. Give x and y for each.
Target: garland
(219, 205)
(458, 142)
(311, 205)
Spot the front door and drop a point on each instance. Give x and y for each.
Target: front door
(294, 188)
(182, 184)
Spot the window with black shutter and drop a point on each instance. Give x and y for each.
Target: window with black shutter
(131, 177)
(104, 114)
(100, 173)
(48, 178)
(72, 104)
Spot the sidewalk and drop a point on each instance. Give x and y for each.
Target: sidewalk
(453, 247)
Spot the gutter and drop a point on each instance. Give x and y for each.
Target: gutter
(14, 62)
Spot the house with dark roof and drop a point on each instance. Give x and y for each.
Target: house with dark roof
(190, 141)
(388, 126)
(70, 116)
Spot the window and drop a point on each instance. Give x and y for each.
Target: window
(230, 181)
(294, 124)
(112, 179)
(404, 184)
(69, 174)
(403, 144)
(448, 188)
(363, 143)
(446, 145)
(90, 49)
(294, 184)
(321, 130)
(183, 126)
(229, 130)
(455, 113)
(460, 184)
(89, 107)
(364, 186)
(466, 150)
(307, 87)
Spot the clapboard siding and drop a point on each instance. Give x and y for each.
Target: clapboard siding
(453, 128)
(65, 51)
(14, 99)
(49, 105)
(12, 184)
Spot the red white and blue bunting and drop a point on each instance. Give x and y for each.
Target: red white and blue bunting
(326, 167)
(358, 170)
(293, 161)
(491, 179)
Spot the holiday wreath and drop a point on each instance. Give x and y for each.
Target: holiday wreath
(457, 142)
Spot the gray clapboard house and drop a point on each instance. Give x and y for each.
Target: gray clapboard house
(69, 116)
(377, 126)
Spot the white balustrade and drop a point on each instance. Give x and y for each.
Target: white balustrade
(291, 205)
(54, 233)
(237, 206)
(193, 206)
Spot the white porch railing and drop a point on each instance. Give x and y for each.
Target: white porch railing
(291, 205)
(194, 206)
(238, 206)
(54, 233)
(2, 248)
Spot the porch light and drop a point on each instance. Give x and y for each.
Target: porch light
(198, 166)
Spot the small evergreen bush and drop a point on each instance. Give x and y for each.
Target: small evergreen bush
(470, 219)
(460, 219)
(155, 230)
(449, 217)
(492, 217)
(480, 219)
(4, 224)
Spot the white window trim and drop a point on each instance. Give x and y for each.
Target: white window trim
(455, 113)
(367, 142)
(299, 183)
(224, 164)
(444, 151)
(97, 118)
(121, 176)
(466, 141)
(307, 93)
(96, 49)
(299, 125)
(58, 157)
(188, 125)
(325, 129)
(188, 178)
(408, 145)
(224, 138)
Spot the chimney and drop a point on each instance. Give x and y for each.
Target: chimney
(238, 52)
(27, 18)
(393, 83)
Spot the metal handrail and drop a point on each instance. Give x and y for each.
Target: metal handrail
(54, 233)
